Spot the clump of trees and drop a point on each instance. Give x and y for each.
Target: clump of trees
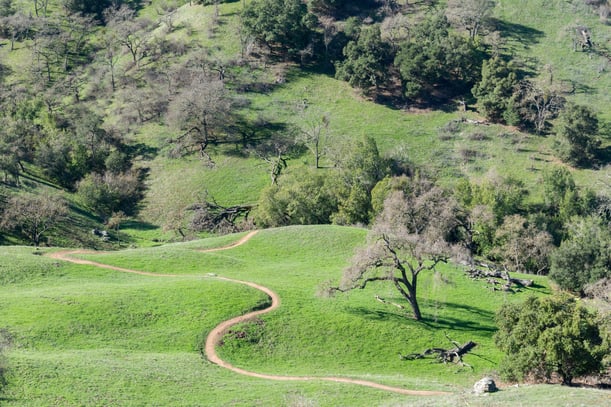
(283, 26)
(340, 195)
(584, 256)
(543, 337)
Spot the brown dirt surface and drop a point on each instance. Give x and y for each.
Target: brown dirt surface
(216, 335)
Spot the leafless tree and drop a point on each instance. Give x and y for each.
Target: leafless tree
(314, 134)
(538, 105)
(472, 15)
(395, 29)
(33, 215)
(40, 7)
(409, 237)
(522, 247)
(200, 112)
(132, 33)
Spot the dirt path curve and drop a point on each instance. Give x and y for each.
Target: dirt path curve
(216, 335)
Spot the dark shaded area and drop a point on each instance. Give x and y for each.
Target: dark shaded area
(142, 150)
(138, 225)
(603, 155)
(520, 33)
(435, 323)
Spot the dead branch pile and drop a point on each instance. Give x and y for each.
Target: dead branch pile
(492, 274)
(454, 354)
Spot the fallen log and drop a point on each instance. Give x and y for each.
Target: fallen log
(500, 274)
(444, 355)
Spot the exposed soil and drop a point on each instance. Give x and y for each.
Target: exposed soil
(216, 335)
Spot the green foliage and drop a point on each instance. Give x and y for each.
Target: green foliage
(340, 195)
(111, 192)
(495, 89)
(543, 336)
(584, 256)
(578, 130)
(489, 203)
(302, 199)
(366, 60)
(503, 195)
(95, 7)
(557, 183)
(283, 25)
(435, 56)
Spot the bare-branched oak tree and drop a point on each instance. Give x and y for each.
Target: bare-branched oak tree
(409, 237)
(34, 215)
(200, 112)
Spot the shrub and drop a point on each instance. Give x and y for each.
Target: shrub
(546, 336)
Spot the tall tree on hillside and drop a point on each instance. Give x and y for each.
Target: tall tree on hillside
(578, 130)
(33, 215)
(495, 89)
(409, 237)
(281, 25)
(367, 60)
(314, 133)
(434, 56)
(201, 113)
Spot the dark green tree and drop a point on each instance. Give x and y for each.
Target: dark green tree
(112, 192)
(578, 129)
(303, 198)
(584, 256)
(360, 168)
(494, 91)
(434, 57)
(367, 60)
(543, 336)
(284, 26)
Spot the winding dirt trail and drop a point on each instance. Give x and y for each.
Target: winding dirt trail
(216, 335)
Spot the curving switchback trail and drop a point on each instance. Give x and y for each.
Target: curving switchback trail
(216, 335)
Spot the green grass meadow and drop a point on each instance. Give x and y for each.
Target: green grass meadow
(85, 336)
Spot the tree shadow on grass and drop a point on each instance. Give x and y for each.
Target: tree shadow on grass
(520, 33)
(470, 322)
(475, 319)
(379, 315)
(138, 225)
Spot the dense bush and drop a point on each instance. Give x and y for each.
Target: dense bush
(584, 256)
(548, 336)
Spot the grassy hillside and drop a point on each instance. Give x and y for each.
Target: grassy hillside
(537, 34)
(88, 336)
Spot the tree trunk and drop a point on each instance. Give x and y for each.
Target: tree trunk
(413, 301)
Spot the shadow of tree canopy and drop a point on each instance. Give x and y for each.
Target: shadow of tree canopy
(145, 151)
(475, 319)
(517, 32)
